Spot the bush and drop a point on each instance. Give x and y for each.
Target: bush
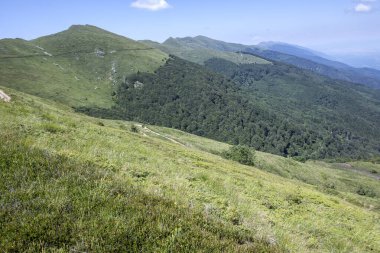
(365, 191)
(134, 129)
(242, 154)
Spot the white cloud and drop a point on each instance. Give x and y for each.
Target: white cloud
(361, 7)
(153, 5)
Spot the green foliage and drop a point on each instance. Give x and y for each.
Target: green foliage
(274, 108)
(134, 129)
(242, 154)
(365, 191)
(185, 96)
(345, 115)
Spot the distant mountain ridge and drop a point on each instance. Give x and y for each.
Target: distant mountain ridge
(360, 60)
(201, 49)
(301, 52)
(273, 51)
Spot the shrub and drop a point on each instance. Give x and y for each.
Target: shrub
(242, 154)
(134, 129)
(365, 191)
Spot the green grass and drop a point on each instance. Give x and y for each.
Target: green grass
(101, 187)
(75, 75)
(53, 203)
(329, 178)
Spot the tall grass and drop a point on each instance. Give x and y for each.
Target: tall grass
(93, 187)
(50, 202)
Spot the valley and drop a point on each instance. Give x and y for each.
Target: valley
(109, 144)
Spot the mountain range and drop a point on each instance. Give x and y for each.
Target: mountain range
(194, 145)
(190, 48)
(236, 96)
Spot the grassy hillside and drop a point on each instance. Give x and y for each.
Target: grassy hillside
(346, 180)
(75, 183)
(80, 66)
(199, 50)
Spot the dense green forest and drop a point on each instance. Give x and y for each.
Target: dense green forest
(185, 96)
(342, 108)
(303, 96)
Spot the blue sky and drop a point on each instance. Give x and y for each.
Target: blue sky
(330, 26)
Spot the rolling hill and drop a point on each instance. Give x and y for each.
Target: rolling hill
(75, 183)
(110, 76)
(80, 66)
(122, 182)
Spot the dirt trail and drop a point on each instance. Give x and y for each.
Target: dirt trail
(349, 167)
(4, 96)
(147, 130)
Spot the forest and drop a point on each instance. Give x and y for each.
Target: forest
(185, 96)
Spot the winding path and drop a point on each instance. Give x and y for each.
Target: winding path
(145, 129)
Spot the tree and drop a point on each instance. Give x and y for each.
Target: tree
(242, 154)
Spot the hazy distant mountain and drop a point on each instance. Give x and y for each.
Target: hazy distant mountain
(200, 48)
(362, 60)
(332, 69)
(301, 52)
(357, 60)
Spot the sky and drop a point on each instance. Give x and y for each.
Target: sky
(335, 27)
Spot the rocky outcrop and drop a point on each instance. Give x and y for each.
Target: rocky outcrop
(4, 97)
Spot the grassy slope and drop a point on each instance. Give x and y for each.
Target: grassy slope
(75, 74)
(199, 53)
(283, 211)
(338, 179)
